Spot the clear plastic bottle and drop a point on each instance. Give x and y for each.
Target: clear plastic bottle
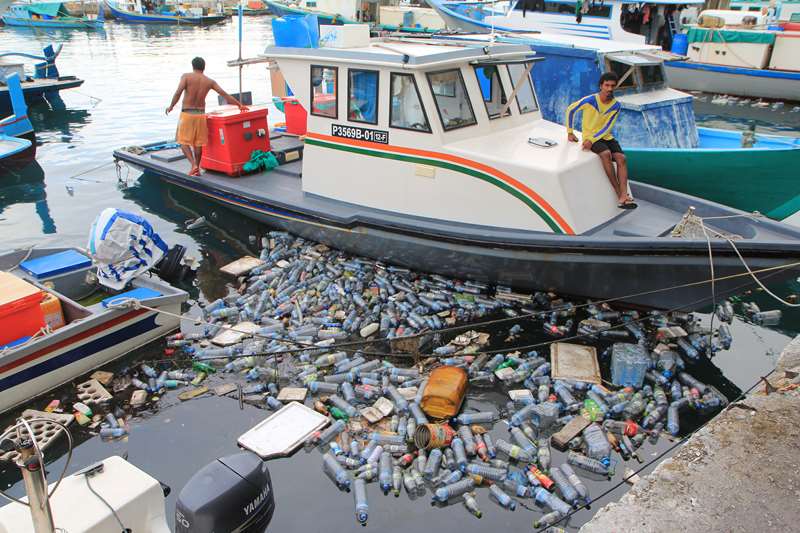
(587, 463)
(360, 498)
(483, 417)
(513, 451)
(495, 474)
(522, 441)
(577, 483)
(502, 498)
(568, 492)
(397, 480)
(340, 402)
(552, 501)
(336, 471)
(490, 447)
(457, 445)
(433, 463)
(385, 472)
(597, 446)
(442, 494)
(471, 503)
(547, 520)
(468, 438)
(417, 413)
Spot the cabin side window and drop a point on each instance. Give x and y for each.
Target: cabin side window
(362, 96)
(452, 100)
(324, 88)
(652, 75)
(494, 97)
(405, 106)
(626, 81)
(526, 98)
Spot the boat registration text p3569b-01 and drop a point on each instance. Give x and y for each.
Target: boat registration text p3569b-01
(360, 134)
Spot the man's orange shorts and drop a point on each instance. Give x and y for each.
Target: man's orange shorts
(192, 129)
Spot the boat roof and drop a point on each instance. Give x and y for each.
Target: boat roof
(405, 53)
(574, 41)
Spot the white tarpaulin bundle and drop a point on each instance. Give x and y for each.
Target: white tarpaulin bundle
(123, 246)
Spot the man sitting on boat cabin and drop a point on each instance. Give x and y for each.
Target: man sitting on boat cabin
(600, 111)
(192, 131)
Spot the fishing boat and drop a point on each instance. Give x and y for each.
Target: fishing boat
(434, 155)
(656, 124)
(253, 8)
(77, 337)
(601, 20)
(136, 12)
(17, 138)
(49, 15)
(395, 17)
(742, 61)
(45, 82)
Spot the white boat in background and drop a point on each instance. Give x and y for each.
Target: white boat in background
(85, 336)
(601, 20)
(755, 61)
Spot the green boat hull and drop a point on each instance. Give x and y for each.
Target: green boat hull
(766, 180)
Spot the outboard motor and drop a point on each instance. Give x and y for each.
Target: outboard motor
(233, 493)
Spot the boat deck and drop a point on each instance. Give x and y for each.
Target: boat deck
(279, 193)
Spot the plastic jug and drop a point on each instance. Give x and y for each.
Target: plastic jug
(444, 392)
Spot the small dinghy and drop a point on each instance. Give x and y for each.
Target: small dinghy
(434, 155)
(59, 322)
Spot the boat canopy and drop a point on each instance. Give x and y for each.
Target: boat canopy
(49, 9)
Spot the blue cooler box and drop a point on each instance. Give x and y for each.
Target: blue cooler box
(66, 271)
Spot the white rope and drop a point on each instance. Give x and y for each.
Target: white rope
(752, 274)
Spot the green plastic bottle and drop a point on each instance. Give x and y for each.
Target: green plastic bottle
(591, 410)
(338, 414)
(197, 366)
(508, 363)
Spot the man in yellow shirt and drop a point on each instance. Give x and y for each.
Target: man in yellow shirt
(600, 111)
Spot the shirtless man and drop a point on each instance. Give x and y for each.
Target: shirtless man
(192, 133)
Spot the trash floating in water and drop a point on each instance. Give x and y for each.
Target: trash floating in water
(323, 321)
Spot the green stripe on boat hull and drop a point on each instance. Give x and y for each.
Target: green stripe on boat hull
(751, 180)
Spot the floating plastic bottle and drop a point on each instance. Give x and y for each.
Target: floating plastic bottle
(432, 464)
(465, 433)
(490, 447)
(484, 417)
(360, 498)
(587, 463)
(457, 445)
(577, 483)
(543, 454)
(317, 387)
(502, 498)
(329, 433)
(273, 403)
(471, 503)
(337, 473)
(417, 413)
(113, 433)
(397, 480)
(513, 451)
(495, 474)
(568, 492)
(385, 472)
(340, 402)
(523, 441)
(552, 501)
(547, 520)
(442, 494)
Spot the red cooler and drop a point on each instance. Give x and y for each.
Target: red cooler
(232, 136)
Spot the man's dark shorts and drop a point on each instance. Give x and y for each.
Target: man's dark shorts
(602, 146)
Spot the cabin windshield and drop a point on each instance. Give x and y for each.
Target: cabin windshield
(526, 98)
(452, 101)
(362, 101)
(494, 96)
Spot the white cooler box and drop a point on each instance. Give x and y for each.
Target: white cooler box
(747, 55)
(346, 36)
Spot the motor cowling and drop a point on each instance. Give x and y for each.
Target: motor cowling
(233, 493)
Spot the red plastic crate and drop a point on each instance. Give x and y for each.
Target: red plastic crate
(296, 116)
(20, 312)
(232, 136)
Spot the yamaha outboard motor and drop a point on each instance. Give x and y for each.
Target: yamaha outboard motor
(233, 493)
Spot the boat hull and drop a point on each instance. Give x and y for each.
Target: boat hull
(23, 157)
(637, 275)
(92, 344)
(750, 179)
(144, 18)
(38, 90)
(752, 83)
(64, 25)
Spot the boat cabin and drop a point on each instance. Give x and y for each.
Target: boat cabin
(653, 115)
(620, 20)
(441, 130)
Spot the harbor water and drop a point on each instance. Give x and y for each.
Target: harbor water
(131, 73)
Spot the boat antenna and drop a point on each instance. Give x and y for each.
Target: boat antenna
(241, 17)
